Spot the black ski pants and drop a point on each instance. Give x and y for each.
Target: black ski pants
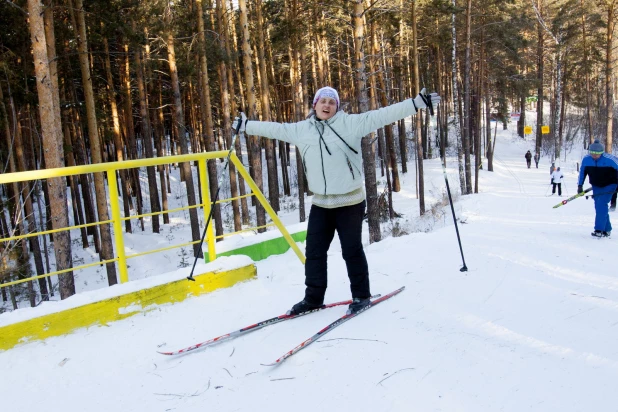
(553, 190)
(348, 222)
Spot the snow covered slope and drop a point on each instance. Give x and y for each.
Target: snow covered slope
(532, 325)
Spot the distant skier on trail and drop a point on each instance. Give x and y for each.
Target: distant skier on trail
(528, 157)
(556, 180)
(537, 157)
(329, 142)
(602, 171)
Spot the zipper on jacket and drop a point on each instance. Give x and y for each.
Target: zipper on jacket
(322, 154)
(322, 157)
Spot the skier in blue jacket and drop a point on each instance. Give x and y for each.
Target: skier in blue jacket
(602, 171)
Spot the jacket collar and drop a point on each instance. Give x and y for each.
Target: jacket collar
(330, 121)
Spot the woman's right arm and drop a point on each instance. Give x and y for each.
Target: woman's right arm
(286, 132)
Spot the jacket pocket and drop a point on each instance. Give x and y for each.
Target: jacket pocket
(347, 159)
(302, 158)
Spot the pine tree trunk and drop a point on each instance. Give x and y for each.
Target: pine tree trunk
(587, 65)
(226, 109)
(254, 142)
(609, 73)
(489, 146)
(18, 153)
(135, 186)
(296, 98)
(52, 145)
(179, 122)
(79, 152)
(418, 135)
(271, 155)
(369, 163)
(206, 118)
(466, 135)
(479, 115)
(399, 70)
(111, 95)
(27, 200)
(391, 152)
(456, 119)
(539, 79)
(159, 122)
(107, 246)
(243, 216)
(155, 206)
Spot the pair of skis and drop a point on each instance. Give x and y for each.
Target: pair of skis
(377, 300)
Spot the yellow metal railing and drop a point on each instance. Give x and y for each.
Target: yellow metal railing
(116, 219)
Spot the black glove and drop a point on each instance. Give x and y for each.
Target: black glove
(551, 181)
(580, 189)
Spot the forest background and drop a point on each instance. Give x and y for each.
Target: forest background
(103, 81)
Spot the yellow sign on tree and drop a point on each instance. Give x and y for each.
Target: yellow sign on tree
(545, 129)
(528, 130)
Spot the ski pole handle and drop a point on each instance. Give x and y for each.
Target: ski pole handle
(427, 99)
(238, 125)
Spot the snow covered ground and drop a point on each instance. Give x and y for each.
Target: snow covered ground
(532, 325)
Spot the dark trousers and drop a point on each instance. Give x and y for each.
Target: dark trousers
(553, 190)
(613, 201)
(348, 222)
(528, 163)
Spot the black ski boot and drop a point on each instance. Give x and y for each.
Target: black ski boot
(598, 233)
(358, 304)
(607, 234)
(303, 306)
(612, 207)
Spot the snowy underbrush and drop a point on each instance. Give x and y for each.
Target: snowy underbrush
(437, 215)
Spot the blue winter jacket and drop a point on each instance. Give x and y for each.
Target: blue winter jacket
(601, 172)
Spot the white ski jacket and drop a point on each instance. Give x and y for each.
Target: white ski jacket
(331, 149)
(557, 176)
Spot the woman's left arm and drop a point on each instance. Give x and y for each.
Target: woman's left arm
(365, 123)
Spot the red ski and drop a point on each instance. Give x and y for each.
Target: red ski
(332, 326)
(254, 327)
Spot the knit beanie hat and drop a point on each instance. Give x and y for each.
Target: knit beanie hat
(326, 92)
(596, 148)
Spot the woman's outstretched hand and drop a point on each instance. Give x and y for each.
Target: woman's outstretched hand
(423, 99)
(242, 119)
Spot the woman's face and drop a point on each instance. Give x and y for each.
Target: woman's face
(325, 108)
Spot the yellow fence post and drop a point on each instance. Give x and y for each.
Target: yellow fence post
(210, 237)
(116, 218)
(258, 193)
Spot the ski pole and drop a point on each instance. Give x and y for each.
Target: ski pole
(448, 190)
(214, 200)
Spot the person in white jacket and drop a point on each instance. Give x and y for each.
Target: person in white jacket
(329, 142)
(556, 180)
